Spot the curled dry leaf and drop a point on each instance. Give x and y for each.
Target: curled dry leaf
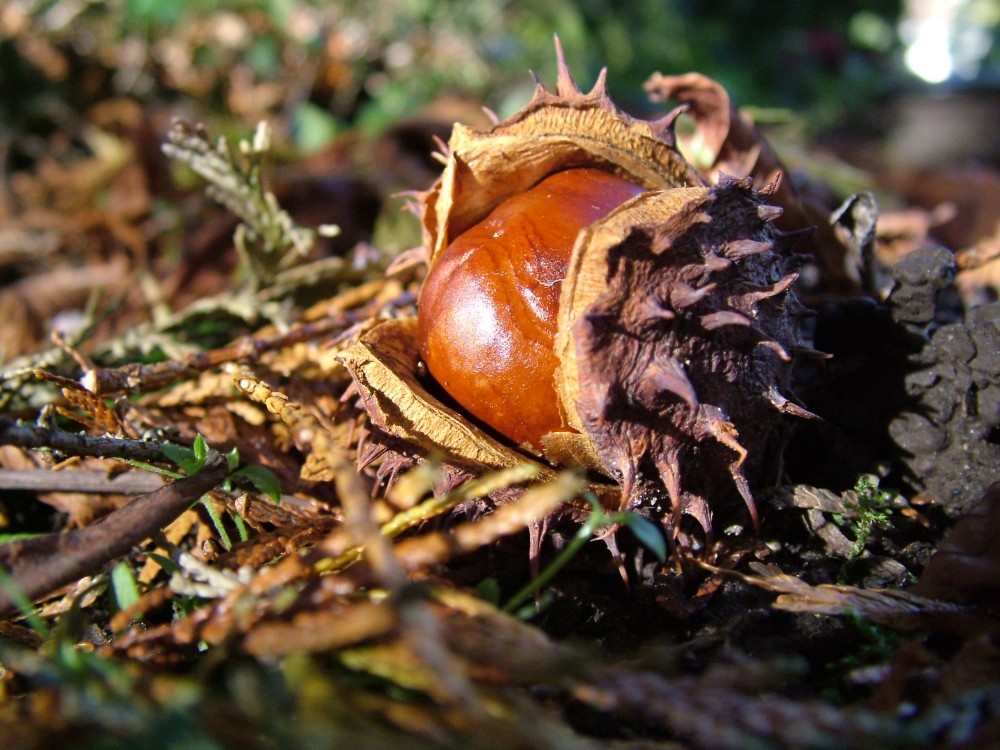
(900, 609)
(592, 301)
(956, 594)
(727, 142)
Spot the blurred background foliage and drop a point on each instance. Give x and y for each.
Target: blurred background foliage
(356, 92)
(319, 68)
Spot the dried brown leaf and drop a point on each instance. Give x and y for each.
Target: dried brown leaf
(334, 627)
(898, 609)
(726, 142)
(966, 567)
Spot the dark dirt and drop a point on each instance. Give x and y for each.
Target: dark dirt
(912, 388)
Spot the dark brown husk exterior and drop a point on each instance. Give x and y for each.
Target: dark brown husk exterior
(684, 358)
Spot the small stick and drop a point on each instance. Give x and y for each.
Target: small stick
(133, 378)
(25, 435)
(91, 481)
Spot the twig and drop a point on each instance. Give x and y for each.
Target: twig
(39, 566)
(138, 377)
(26, 435)
(79, 480)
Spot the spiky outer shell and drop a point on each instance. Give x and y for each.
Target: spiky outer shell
(683, 355)
(551, 133)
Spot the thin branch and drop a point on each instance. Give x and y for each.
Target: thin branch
(41, 565)
(133, 378)
(93, 481)
(26, 435)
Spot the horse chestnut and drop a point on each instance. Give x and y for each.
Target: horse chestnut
(595, 302)
(487, 316)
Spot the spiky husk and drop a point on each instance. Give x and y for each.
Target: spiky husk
(678, 359)
(677, 323)
(552, 132)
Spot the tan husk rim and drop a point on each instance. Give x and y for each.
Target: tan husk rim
(551, 133)
(384, 364)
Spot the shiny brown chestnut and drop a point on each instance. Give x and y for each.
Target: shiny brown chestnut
(488, 309)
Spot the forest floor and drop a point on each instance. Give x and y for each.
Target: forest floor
(190, 556)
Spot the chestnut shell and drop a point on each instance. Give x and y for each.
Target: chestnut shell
(676, 325)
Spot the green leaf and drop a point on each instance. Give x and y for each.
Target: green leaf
(220, 528)
(144, 13)
(5, 538)
(529, 611)
(190, 460)
(488, 590)
(200, 451)
(156, 469)
(314, 127)
(263, 480)
(233, 459)
(168, 565)
(873, 508)
(582, 536)
(123, 586)
(178, 454)
(241, 526)
(648, 534)
(23, 603)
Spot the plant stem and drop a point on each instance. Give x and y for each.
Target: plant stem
(583, 535)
